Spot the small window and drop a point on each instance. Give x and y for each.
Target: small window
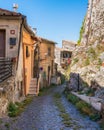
(27, 52)
(49, 51)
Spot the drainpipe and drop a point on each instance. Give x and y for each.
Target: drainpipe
(20, 39)
(24, 70)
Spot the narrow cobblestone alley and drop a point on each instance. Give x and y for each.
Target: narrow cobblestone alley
(42, 114)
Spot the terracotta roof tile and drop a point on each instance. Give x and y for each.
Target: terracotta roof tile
(8, 13)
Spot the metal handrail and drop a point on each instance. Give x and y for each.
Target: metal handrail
(5, 68)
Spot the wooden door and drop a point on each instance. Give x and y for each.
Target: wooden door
(2, 43)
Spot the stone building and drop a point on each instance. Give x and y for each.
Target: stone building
(57, 55)
(46, 64)
(11, 58)
(29, 42)
(66, 53)
(16, 52)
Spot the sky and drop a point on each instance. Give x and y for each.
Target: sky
(55, 20)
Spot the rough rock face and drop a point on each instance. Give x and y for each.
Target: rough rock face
(94, 23)
(88, 58)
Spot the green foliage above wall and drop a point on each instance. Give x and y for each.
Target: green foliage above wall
(81, 32)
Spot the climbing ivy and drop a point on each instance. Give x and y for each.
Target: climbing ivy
(81, 32)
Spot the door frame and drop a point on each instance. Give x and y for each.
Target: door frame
(4, 41)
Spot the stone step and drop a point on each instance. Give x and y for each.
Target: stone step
(32, 93)
(31, 86)
(34, 79)
(32, 89)
(33, 82)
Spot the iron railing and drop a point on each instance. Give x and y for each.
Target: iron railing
(5, 68)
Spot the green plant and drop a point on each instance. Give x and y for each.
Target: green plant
(62, 79)
(99, 62)
(91, 53)
(85, 84)
(12, 109)
(72, 98)
(95, 116)
(57, 95)
(84, 107)
(75, 60)
(66, 119)
(44, 90)
(90, 92)
(1, 121)
(81, 32)
(15, 109)
(67, 73)
(87, 61)
(7, 125)
(65, 116)
(102, 124)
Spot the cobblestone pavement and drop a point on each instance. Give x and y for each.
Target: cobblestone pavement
(42, 114)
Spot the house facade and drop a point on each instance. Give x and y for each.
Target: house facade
(17, 45)
(46, 65)
(11, 58)
(66, 53)
(29, 43)
(57, 55)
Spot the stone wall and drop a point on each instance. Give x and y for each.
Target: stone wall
(47, 60)
(88, 58)
(10, 91)
(7, 91)
(57, 55)
(94, 23)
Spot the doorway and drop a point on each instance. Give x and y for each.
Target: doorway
(2, 43)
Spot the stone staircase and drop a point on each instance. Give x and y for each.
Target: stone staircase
(34, 87)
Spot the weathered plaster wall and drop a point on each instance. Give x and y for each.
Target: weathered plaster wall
(11, 90)
(47, 60)
(57, 55)
(28, 61)
(9, 25)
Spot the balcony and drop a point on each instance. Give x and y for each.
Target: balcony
(5, 68)
(65, 62)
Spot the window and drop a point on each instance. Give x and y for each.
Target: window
(49, 51)
(12, 41)
(27, 52)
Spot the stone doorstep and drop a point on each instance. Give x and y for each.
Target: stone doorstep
(93, 101)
